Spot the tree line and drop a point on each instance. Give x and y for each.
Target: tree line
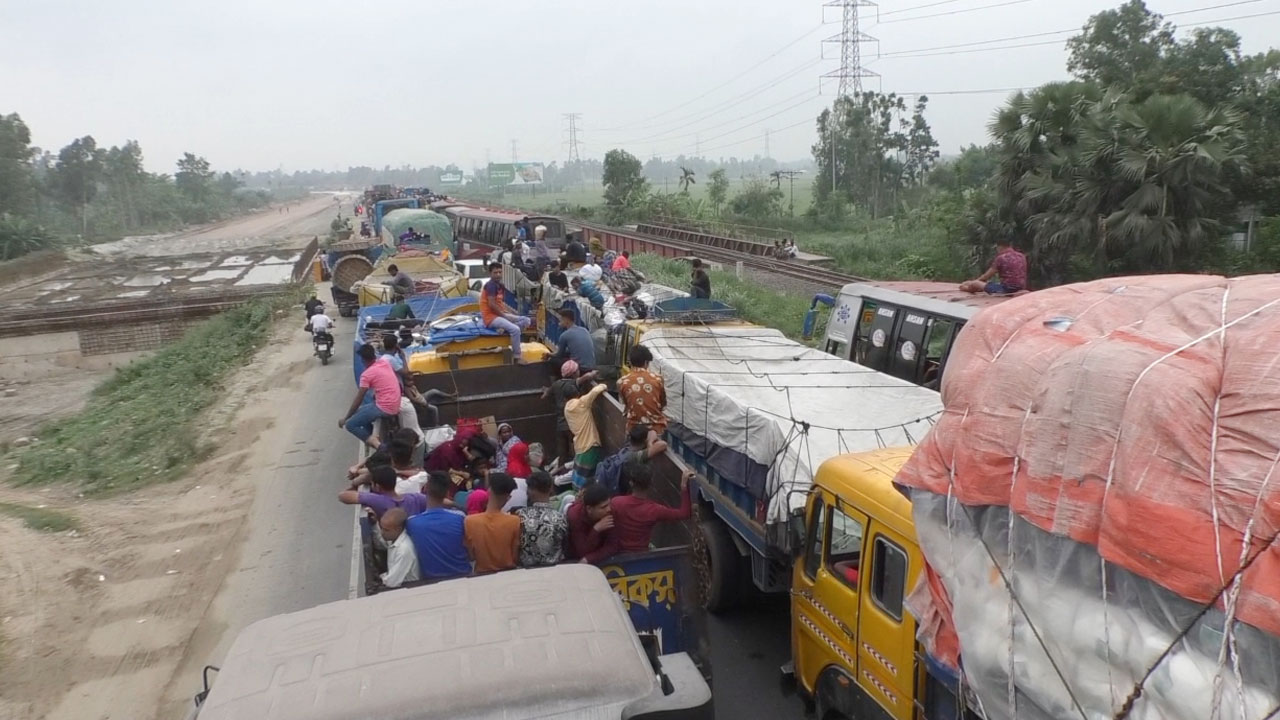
(87, 193)
(1153, 157)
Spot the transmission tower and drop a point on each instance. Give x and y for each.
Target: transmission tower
(575, 155)
(514, 156)
(851, 71)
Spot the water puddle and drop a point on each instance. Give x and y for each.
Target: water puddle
(146, 280)
(208, 275)
(267, 275)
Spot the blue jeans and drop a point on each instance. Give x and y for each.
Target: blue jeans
(512, 325)
(361, 424)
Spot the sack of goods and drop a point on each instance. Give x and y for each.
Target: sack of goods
(1098, 504)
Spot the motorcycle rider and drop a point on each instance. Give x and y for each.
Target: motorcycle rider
(320, 325)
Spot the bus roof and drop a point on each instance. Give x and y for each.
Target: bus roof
(554, 642)
(938, 298)
(866, 480)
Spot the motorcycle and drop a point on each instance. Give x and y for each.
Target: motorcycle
(322, 343)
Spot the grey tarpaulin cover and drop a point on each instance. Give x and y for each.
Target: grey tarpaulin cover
(786, 406)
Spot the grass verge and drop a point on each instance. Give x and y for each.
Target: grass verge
(757, 304)
(139, 426)
(42, 519)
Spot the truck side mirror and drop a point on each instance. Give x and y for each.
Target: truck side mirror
(796, 534)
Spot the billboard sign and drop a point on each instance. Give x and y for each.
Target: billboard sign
(450, 178)
(505, 174)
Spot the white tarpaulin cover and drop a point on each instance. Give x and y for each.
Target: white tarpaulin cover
(752, 390)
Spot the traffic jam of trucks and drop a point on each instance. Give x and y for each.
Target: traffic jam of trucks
(1051, 505)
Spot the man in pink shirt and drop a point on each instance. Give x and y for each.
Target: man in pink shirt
(622, 262)
(379, 376)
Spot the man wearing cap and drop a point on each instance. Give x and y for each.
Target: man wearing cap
(563, 390)
(574, 344)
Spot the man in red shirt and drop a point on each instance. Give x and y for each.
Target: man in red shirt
(635, 515)
(380, 377)
(591, 526)
(1010, 266)
(497, 314)
(622, 262)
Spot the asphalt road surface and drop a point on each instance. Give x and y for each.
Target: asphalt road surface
(298, 553)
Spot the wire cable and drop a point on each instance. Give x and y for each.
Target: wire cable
(955, 12)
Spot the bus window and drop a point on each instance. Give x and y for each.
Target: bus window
(877, 348)
(844, 553)
(935, 349)
(837, 348)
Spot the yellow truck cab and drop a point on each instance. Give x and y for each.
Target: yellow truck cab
(853, 642)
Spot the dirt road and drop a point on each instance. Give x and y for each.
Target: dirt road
(96, 622)
(286, 225)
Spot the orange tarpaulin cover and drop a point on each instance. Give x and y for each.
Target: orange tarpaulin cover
(1137, 415)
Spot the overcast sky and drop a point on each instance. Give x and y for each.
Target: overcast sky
(298, 84)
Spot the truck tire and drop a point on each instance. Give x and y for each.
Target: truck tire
(724, 565)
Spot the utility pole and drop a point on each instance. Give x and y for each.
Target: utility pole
(790, 175)
(514, 157)
(766, 144)
(851, 72)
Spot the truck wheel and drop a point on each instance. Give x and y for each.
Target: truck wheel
(725, 567)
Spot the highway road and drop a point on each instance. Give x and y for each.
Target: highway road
(297, 552)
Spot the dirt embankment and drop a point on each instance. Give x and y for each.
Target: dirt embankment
(94, 621)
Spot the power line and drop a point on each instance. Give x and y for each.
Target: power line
(956, 12)
(771, 56)
(663, 138)
(757, 122)
(918, 7)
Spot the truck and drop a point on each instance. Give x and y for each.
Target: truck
(1072, 539)
(756, 413)
(550, 642)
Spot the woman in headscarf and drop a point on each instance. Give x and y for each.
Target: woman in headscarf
(507, 439)
(518, 461)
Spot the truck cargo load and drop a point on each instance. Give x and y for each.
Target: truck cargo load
(1099, 502)
(764, 411)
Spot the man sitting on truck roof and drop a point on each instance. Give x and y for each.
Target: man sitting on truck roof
(635, 515)
(493, 536)
(586, 438)
(1009, 268)
(437, 533)
(643, 392)
(402, 561)
(590, 519)
(588, 290)
(543, 528)
(497, 314)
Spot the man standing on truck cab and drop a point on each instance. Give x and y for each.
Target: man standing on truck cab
(437, 534)
(586, 437)
(497, 314)
(380, 377)
(402, 561)
(635, 515)
(493, 536)
(590, 519)
(574, 344)
(643, 392)
(1010, 269)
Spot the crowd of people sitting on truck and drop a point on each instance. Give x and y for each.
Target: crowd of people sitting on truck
(453, 501)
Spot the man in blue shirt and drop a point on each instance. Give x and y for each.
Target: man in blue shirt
(588, 290)
(574, 344)
(437, 533)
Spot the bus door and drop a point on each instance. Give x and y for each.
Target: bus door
(937, 346)
(908, 346)
(874, 351)
(886, 631)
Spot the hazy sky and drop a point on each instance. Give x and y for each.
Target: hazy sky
(299, 84)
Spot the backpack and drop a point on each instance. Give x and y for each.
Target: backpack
(609, 471)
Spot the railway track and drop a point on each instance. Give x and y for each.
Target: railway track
(809, 276)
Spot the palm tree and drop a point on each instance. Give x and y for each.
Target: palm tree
(1170, 153)
(686, 179)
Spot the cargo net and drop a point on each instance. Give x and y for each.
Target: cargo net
(1098, 504)
(769, 410)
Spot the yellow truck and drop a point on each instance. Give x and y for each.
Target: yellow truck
(853, 642)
